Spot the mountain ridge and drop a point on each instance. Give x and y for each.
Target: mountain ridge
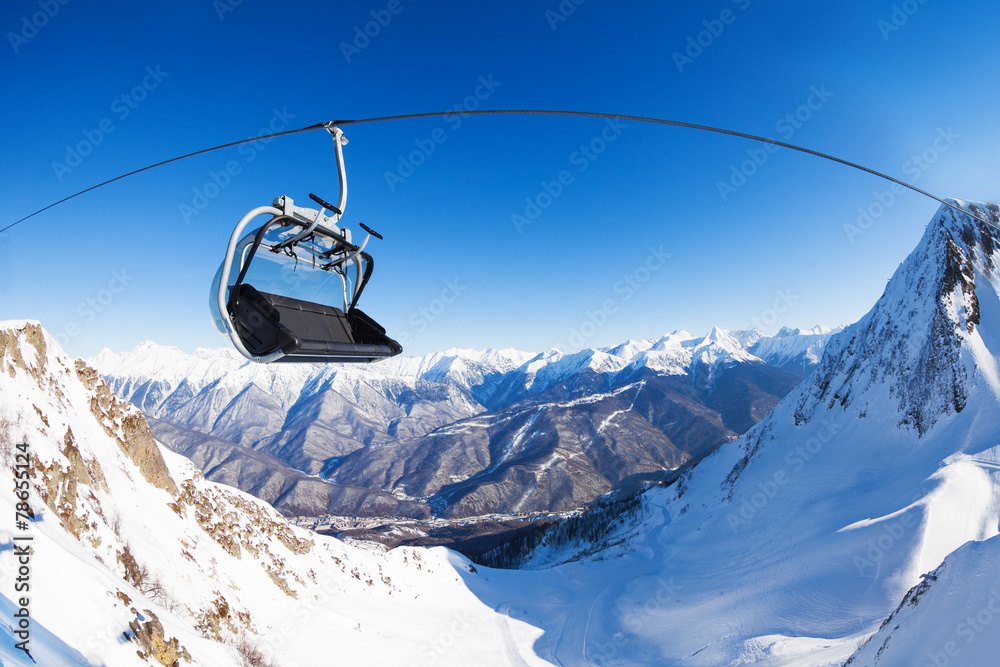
(802, 542)
(353, 424)
(137, 559)
(804, 534)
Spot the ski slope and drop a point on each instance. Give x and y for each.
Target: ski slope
(228, 565)
(789, 546)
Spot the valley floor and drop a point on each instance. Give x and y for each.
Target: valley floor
(593, 613)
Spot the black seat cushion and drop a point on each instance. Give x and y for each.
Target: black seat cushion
(320, 328)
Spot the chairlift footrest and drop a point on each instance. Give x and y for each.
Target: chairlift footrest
(370, 231)
(325, 204)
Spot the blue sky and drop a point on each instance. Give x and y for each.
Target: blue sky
(653, 228)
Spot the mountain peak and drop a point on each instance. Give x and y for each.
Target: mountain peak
(720, 345)
(718, 333)
(918, 347)
(748, 337)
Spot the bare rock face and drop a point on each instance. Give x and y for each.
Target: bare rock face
(60, 484)
(126, 424)
(147, 632)
(11, 356)
(70, 479)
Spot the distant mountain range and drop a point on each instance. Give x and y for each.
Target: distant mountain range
(461, 432)
(129, 557)
(856, 524)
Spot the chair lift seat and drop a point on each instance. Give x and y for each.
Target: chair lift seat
(305, 330)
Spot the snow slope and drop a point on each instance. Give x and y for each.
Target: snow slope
(792, 544)
(788, 546)
(950, 618)
(130, 538)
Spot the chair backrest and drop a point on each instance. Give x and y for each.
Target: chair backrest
(259, 323)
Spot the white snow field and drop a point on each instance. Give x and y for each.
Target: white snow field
(219, 563)
(789, 546)
(951, 618)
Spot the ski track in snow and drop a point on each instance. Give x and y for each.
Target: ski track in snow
(988, 465)
(578, 603)
(608, 419)
(510, 649)
(515, 443)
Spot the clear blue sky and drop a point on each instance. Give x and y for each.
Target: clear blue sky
(886, 81)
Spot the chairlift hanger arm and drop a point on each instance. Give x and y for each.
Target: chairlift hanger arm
(338, 142)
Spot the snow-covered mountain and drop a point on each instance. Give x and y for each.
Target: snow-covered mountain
(164, 381)
(304, 414)
(447, 429)
(794, 350)
(293, 492)
(129, 557)
(604, 422)
(794, 543)
(946, 619)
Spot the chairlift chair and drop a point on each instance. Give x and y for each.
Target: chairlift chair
(302, 247)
